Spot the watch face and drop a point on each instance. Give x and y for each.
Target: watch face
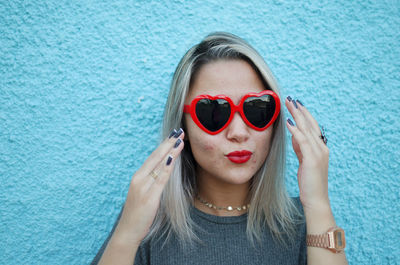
(340, 242)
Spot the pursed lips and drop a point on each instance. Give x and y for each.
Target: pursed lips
(239, 157)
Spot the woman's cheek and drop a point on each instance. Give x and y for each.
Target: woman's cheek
(207, 151)
(201, 148)
(208, 147)
(203, 144)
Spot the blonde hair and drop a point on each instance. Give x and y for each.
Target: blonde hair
(270, 203)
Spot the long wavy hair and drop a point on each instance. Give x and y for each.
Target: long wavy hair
(270, 203)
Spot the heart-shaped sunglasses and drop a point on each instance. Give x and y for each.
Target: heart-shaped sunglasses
(214, 113)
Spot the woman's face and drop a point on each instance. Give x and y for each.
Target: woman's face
(233, 78)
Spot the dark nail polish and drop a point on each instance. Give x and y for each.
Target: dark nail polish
(177, 143)
(295, 104)
(298, 101)
(289, 98)
(172, 133)
(179, 132)
(290, 122)
(169, 160)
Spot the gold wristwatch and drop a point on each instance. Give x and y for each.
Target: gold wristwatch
(333, 240)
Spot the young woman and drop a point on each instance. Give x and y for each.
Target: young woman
(213, 192)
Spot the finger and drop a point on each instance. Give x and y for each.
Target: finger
(163, 169)
(159, 154)
(166, 171)
(296, 149)
(301, 123)
(303, 142)
(308, 117)
(299, 119)
(314, 126)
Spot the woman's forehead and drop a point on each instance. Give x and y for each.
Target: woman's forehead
(233, 78)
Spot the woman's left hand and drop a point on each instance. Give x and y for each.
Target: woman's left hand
(313, 156)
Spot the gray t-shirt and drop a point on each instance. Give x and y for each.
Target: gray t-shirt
(223, 241)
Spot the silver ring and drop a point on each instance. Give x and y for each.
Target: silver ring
(323, 136)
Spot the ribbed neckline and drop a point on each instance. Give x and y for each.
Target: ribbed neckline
(219, 219)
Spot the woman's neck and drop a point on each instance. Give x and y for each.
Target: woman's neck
(221, 194)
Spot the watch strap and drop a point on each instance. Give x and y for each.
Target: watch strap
(321, 241)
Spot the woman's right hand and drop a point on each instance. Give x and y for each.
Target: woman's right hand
(145, 190)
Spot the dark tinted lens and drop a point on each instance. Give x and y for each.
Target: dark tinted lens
(213, 114)
(259, 110)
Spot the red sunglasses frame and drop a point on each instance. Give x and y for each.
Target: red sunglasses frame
(234, 108)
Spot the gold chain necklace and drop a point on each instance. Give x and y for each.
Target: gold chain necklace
(228, 208)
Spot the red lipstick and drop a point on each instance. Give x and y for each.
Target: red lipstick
(239, 156)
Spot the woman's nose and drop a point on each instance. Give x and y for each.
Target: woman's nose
(237, 129)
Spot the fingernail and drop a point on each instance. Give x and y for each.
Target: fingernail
(179, 132)
(172, 133)
(169, 160)
(298, 101)
(290, 122)
(295, 105)
(289, 98)
(177, 143)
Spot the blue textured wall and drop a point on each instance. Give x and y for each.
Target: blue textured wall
(82, 91)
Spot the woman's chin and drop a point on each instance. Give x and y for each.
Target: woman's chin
(237, 179)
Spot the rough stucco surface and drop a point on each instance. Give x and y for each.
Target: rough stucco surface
(82, 91)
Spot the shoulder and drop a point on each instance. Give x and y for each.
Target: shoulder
(298, 215)
(301, 229)
(143, 253)
(297, 203)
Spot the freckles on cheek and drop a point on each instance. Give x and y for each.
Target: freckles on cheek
(258, 160)
(208, 147)
(254, 163)
(204, 146)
